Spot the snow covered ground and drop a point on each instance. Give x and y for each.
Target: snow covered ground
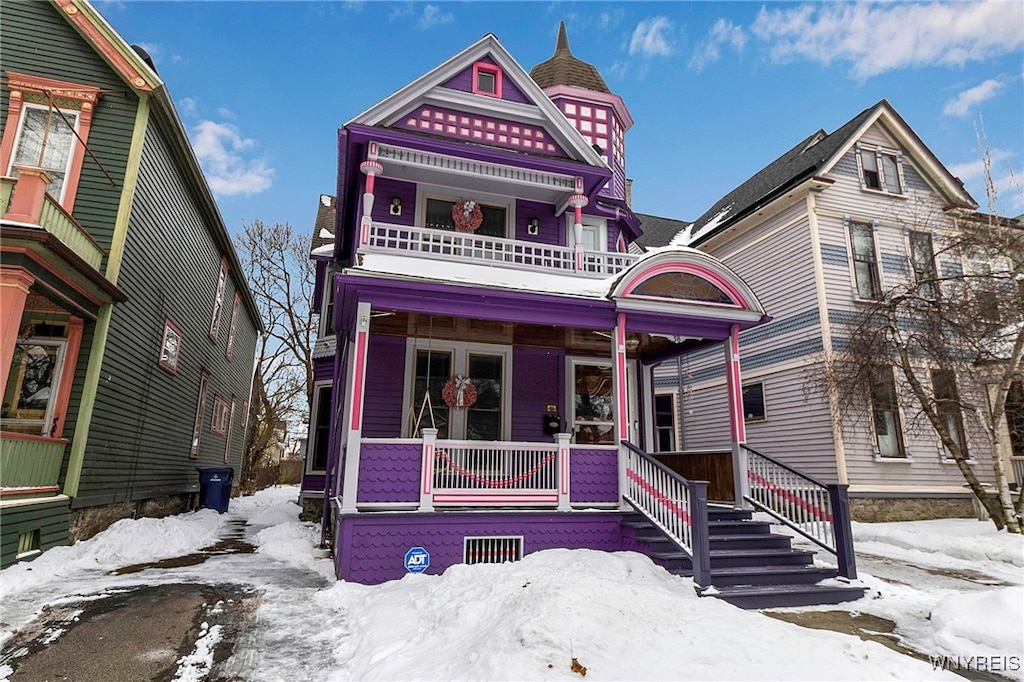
(954, 588)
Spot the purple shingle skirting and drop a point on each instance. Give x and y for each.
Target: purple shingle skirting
(370, 547)
(594, 476)
(389, 472)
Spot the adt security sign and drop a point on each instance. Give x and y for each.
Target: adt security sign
(416, 560)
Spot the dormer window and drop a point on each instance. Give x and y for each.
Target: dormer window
(486, 79)
(880, 169)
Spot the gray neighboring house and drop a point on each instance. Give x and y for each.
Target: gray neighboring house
(814, 233)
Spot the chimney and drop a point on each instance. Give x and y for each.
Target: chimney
(629, 192)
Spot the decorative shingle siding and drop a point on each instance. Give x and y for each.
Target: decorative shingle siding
(371, 547)
(834, 254)
(141, 430)
(595, 477)
(389, 472)
(895, 264)
(26, 27)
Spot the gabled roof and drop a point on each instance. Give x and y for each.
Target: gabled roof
(563, 68)
(817, 155)
(428, 88)
(658, 231)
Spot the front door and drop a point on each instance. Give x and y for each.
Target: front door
(593, 403)
(481, 413)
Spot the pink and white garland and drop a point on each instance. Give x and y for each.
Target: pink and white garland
(459, 392)
(467, 215)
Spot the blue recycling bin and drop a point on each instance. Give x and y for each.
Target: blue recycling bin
(215, 487)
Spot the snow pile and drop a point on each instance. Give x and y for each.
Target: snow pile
(196, 666)
(126, 542)
(964, 623)
(283, 537)
(619, 615)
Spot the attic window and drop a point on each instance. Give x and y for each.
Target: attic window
(880, 169)
(486, 80)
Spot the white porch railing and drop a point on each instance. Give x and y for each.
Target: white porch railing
(468, 473)
(513, 253)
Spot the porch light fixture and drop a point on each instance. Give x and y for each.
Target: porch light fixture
(632, 343)
(396, 206)
(533, 227)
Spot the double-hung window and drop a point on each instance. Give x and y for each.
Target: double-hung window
(922, 260)
(46, 140)
(947, 402)
(865, 261)
(665, 421)
(880, 169)
(218, 301)
(886, 416)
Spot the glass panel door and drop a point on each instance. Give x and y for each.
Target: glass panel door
(433, 368)
(32, 385)
(483, 418)
(593, 404)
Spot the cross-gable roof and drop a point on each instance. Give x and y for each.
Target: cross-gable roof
(658, 231)
(816, 155)
(538, 109)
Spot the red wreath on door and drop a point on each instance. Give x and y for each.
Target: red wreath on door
(467, 215)
(459, 392)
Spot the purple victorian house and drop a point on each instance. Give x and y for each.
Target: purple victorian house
(484, 373)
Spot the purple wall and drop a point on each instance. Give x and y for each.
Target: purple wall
(550, 230)
(537, 381)
(370, 548)
(384, 189)
(594, 476)
(509, 90)
(385, 382)
(323, 369)
(389, 472)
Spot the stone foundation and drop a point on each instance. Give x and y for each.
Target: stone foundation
(878, 509)
(89, 521)
(312, 509)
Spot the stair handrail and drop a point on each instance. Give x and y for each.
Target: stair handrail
(816, 510)
(675, 505)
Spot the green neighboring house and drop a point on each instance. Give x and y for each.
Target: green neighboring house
(128, 331)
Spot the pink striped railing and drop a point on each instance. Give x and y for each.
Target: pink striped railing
(495, 473)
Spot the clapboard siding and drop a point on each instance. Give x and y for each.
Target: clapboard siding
(537, 382)
(384, 190)
(705, 418)
(49, 518)
(67, 57)
(143, 419)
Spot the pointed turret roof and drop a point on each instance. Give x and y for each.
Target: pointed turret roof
(565, 69)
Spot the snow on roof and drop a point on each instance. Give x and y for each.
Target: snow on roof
(325, 250)
(326, 234)
(687, 237)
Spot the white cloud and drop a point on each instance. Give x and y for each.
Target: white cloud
(433, 16)
(401, 11)
(611, 19)
(189, 106)
(974, 170)
(879, 37)
(962, 104)
(650, 39)
(724, 32)
(224, 156)
(224, 112)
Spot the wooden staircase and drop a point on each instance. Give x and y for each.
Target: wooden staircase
(750, 566)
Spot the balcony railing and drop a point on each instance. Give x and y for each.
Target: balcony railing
(55, 220)
(495, 251)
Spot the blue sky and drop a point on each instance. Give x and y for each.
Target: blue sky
(718, 90)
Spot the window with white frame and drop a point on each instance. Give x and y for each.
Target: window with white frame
(437, 215)
(753, 402)
(865, 260)
(947, 403)
(922, 260)
(327, 310)
(46, 139)
(886, 416)
(593, 403)
(219, 422)
(170, 347)
(197, 427)
(880, 169)
(233, 326)
(665, 421)
(218, 301)
(30, 396)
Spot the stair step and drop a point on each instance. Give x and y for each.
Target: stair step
(769, 575)
(731, 558)
(741, 527)
(726, 514)
(770, 596)
(749, 541)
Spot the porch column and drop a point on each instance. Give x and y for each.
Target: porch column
(427, 470)
(14, 285)
(354, 415)
(29, 194)
(621, 400)
(578, 201)
(564, 481)
(372, 168)
(737, 426)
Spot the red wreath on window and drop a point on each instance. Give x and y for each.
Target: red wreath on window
(459, 392)
(467, 215)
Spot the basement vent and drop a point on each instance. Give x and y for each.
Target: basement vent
(492, 550)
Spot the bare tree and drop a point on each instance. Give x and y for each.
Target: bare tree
(953, 335)
(281, 276)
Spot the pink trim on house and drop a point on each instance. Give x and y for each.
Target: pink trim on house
(669, 504)
(67, 376)
(707, 274)
(738, 427)
(491, 69)
(427, 471)
(14, 286)
(622, 409)
(357, 382)
(4, 492)
(504, 498)
(563, 459)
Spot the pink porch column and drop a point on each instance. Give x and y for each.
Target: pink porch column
(578, 201)
(356, 387)
(737, 426)
(621, 400)
(29, 194)
(372, 168)
(14, 285)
